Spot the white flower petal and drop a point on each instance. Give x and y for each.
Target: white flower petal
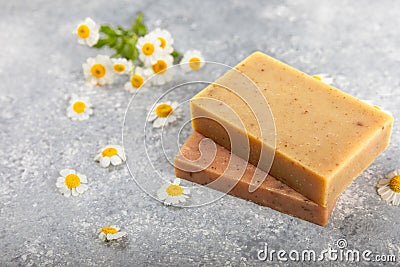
(174, 200)
(116, 235)
(121, 154)
(102, 236)
(60, 184)
(83, 178)
(81, 188)
(74, 192)
(383, 182)
(182, 198)
(98, 157)
(152, 116)
(177, 181)
(383, 189)
(105, 162)
(61, 180)
(396, 199)
(159, 122)
(115, 160)
(171, 119)
(66, 172)
(387, 195)
(64, 189)
(67, 193)
(161, 194)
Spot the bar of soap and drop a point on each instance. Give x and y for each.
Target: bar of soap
(325, 138)
(271, 193)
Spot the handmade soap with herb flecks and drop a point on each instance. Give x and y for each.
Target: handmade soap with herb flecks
(325, 138)
(271, 193)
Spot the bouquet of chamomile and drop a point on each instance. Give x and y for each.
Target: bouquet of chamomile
(138, 54)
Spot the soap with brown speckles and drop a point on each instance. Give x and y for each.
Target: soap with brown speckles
(324, 137)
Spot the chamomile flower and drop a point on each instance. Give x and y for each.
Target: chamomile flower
(79, 108)
(87, 32)
(71, 183)
(111, 154)
(98, 70)
(173, 193)
(324, 77)
(166, 40)
(164, 114)
(121, 65)
(149, 47)
(162, 72)
(192, 60)
(369, 102)
(109, 233)
(137, 79)
(389, 188)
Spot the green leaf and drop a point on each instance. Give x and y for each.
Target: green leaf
(100, 43)
(119, 46)
(139, 17)
(127, 51)
(138, 27)
(122, 31)
(141, 30)
(177, 56)
(107, 30)
(112, 41)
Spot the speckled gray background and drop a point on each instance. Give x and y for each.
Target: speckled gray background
(357, 42)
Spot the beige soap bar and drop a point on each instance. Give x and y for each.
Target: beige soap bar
(272, 193)
(324, 138)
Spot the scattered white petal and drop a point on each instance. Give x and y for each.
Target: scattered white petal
(109, 233)
(87, 32)
(164, 113)
(149, 47)
(173, 193)
(389, 188)
(112, 154)
(192, 60)
(71, 183)
(79, 108)
(98, 71)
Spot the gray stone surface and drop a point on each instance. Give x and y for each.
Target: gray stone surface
(40, 67)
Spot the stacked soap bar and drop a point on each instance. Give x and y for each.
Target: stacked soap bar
(324, 137)
(271, 193)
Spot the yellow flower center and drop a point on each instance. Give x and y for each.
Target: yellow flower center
(317, 77)
(83, 31)
(109, 230)
(148, 49)
(72, 181)
(160, 66)
(163, 110)
(137, 81)
(163, 43)
(98, 70)
(395, 184)
(109, 152)
(79, 107)
(174, 190)
(194, 63)
(118, 67)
